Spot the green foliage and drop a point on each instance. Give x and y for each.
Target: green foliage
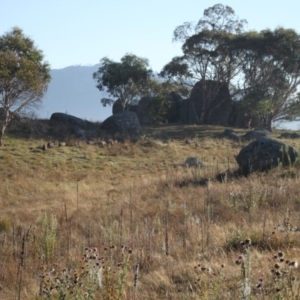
(24, 75)
(206, 54)
(159, 108)
(262, 68)
(123, 80)
(271, 70)
(4, 225)
(44, 239)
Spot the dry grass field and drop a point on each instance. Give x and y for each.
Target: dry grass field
(131, 221)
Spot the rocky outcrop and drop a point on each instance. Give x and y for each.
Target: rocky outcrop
(210, 103)
(230, 135)
(143, 111)
(176, 103)
(123, 122)
(67, 125)
(61, 118)
(255, 134)
(264, 154)
(289, 135)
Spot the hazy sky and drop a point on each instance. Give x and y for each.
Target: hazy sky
(81, 32)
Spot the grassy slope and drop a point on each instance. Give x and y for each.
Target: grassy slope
(128, 194)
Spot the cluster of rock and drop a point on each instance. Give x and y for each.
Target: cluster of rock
(125, 122)
(264, 152)
(290, 135)
(209, 103)
(261, 154)
(248, 136)
(72, 126)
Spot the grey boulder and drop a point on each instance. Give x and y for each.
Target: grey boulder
(255, 134)
(193, 162)
(230, 134)
(61, 118)
(289, 135)
(264, 154)
(122, 122)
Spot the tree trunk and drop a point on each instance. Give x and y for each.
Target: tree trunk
(4, 123)
(249, 121)
(2, 134)
(270, 124)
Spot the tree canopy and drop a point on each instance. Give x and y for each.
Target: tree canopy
(123, 80)
(262, 68)
(24, 76)
(270, 73)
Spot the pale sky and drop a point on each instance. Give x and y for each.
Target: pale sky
(81, 32)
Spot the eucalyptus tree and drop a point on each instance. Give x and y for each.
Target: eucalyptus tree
(208, 53)
(271, 74)
(124, 81)
(24, 76)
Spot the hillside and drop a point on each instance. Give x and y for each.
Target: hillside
(73, 90)
(130, 221)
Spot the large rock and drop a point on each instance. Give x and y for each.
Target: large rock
(183, 111)
(230, 135)
(255, 134)
(193, 162)
(215, 111)
(264, 154)
(176, 103)
(123, 122)
(143, 111)
(117, 107)
(290, 135)
(61, 118)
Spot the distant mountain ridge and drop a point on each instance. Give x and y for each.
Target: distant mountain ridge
(73, 90)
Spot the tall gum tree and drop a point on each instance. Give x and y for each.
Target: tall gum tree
(207, 54)
(261, 69)
(24, 76)
(271, 74)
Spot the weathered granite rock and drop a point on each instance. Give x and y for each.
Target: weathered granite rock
(265, 153)
(143, 111)
(218, 107)
(255, 134)
(61, 118)
(175, 101)
(289, 135)
(117, 107)
(230, 134)
(193, 162)
(123, 122)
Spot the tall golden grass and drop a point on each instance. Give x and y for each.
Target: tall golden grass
(131, 221)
